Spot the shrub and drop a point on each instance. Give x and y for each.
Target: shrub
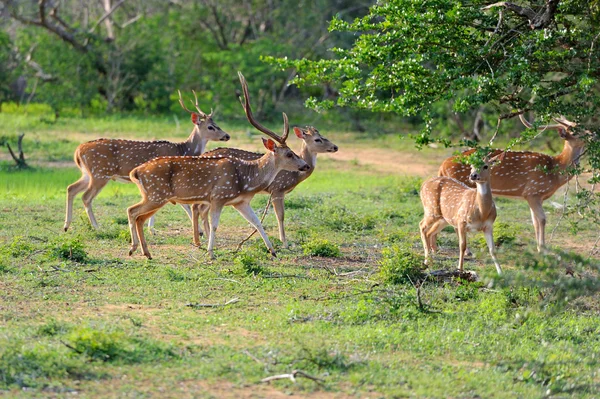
(321, 247)
(20, 247)
(72, 250)
(401, 265)
(115, 346)
(248, 262)
(25, 365)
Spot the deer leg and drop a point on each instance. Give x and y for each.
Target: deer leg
(204, 215)
(462, 242)
(139, 224)
(433, 232)
(488, 233)
(246, 211)
(538, 216)
(424, 227)
(95, 186)
(195, 215)
(133, 214)
(278, 206)
(215, 214)
(151, 221)
(72, 191)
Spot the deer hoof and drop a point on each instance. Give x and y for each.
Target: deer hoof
(132, 250)
(273, 253)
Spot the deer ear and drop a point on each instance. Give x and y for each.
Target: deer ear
(299, 132)
(269, 144)
(195, 118)
(497, 159)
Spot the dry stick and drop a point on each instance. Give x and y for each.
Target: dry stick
(211, 305)
(292, 376)
(261, 220)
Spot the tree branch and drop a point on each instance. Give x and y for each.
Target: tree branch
(537, 20)
(106, 15)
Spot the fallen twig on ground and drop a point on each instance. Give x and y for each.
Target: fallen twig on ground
(212, 305)
(292, 377)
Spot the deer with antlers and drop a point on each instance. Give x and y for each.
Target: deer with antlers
(103, 160)
(313, 143)
(215, 180)
(532, 176)
(447, 201)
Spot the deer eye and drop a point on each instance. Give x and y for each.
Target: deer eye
(485, 166)
(211, 128)
(289, 155)
(318, 141)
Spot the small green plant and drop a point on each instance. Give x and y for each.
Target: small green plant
(504, 234)
(72, 250)
(19, 247)
(53, 328)
(26, 365)
(321, 247)
(400, 264)
(116, 346)
(248, 262)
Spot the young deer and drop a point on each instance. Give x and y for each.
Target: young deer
(447, 201)
(103, 160)
(214, 180)
(285, 182)
(532, 176)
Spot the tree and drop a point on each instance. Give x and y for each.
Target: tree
(410, 56)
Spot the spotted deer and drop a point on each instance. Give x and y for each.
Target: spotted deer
(103, 160)
(447, 201)
(215, 180)
(313, 143)
(532, 176)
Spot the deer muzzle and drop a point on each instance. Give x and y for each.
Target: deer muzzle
(226, 137)
(304, 168)
(474, 176)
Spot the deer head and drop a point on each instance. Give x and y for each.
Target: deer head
(285, 158)
(206, 127)
(482, 173)
(314, 141)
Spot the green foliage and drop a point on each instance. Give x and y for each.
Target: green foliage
(19, 247)
(116, 346)
(248, 261)
(27, 365)
(401, 265)
(68, 249)
(321, 247)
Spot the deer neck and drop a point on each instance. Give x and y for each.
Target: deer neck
(569, 156)
(309, 157)
(260, 173)
(195, 143)
(484, 199)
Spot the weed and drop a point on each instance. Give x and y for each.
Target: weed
(321, 247)
(19, 247)
(400, 265)
(26, 365)
(115, 346)
(68, 249)
(53, 328)
(248, 262)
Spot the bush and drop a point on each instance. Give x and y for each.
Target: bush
(248, 262)
(20, 247)
(72, 250)
(401, 265)
(321, 247)
(25, 365)
(115, 346)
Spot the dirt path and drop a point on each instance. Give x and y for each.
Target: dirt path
(390, 161)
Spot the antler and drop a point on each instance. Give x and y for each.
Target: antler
(202, 114)
(529, 125)
(565, 122)
(254, 122)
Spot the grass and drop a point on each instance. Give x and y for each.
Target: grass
(78, 315)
